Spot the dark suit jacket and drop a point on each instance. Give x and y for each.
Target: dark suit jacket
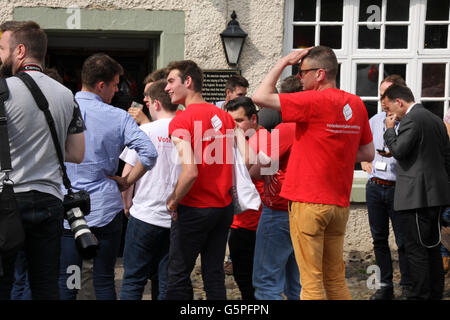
(422, 150)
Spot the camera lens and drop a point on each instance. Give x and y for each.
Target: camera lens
(85, 240)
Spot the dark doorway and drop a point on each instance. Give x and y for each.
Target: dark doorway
(67, 52)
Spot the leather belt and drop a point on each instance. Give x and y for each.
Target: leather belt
(383, 182)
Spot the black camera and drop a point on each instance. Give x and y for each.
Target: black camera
(76, 206)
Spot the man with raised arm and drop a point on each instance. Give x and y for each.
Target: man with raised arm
(332, 133)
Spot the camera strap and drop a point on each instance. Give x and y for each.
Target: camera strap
(42, 103)
(5, 155)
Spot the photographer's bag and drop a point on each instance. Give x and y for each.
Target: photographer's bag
(12, 235)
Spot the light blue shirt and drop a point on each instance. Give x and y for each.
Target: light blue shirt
(378, 127)
(108, 131)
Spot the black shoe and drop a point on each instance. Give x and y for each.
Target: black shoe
(405, 293)
(385, 293)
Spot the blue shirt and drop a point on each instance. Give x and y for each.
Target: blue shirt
(378, 127)
(108, 131)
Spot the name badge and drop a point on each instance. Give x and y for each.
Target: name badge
(381, 166)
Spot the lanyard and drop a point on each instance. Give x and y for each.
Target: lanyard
(31, 67)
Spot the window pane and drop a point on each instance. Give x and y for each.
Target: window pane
(437, 9)
(331, 10)
(367, 80)
(372, 108)
(397, 10)
(399, 69)
(433, 79)
(305, 10)
(437, 107)
(370, 10)
(331, 36)
(368, 38)
(396, 37)
(436, 36)
(303, 36)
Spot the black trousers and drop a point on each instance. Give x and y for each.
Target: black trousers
(242, 251)
(197, 231)
(421, 234)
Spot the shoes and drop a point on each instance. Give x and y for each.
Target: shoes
(228, 268)
(405, 293)
(384, 293)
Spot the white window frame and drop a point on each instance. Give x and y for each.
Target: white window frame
(422, 22)
(289, 31)
(446, 97)
(354, 71)
(349, 55)
(382, 24)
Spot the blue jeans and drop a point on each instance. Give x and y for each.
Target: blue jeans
(275, 269)
(380, 206)
(108, 237)
(42, 217)
(21, 287)
(145, 246)
(162, 276)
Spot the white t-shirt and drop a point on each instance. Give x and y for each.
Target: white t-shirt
(155, 186)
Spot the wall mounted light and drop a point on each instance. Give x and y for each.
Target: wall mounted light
(233, 38)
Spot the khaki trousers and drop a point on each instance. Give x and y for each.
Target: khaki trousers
(317, 232)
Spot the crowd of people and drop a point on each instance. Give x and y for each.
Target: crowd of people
(299, 146)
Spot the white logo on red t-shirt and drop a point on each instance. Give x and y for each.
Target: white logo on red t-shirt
(348, 113)
(216, 123)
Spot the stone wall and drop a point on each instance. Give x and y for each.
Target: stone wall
(263, 20)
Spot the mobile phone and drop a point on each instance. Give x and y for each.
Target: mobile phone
(381, 150)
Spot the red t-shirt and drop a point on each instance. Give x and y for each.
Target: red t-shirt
(205, 126)
(330, 126)
(259, 142)
(284, 133)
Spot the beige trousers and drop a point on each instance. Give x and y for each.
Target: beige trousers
(317, 232)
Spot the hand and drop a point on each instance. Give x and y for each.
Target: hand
(366, 166)
(122, 183)
(390, 121)
(126, 212)
(296, 56)
(138, 115)
(172, 205)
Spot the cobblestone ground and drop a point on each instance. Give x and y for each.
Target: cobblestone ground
(356, 263)
(355, 274)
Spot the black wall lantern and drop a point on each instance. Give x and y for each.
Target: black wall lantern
(233, 38)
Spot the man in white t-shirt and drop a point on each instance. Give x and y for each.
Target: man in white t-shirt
(148, 230)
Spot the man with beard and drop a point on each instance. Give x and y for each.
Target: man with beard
(36, 171)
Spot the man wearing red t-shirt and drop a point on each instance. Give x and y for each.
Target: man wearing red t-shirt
(243, 229)
(332, 133)
(201, 202)
(275, 270)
